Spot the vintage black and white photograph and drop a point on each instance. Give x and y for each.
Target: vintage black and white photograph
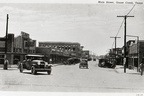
(80, 46)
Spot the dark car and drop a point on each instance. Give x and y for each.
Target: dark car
(83, 63)
(106, 63)
(71, 61)
(35, 66)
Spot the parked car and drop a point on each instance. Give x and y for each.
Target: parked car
(106, 63)
(35, 65)
(71, 61)
(83, 63)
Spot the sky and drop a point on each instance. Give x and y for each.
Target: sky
(90, 24)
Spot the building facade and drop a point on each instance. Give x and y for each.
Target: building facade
(136, 53)
(9, 51)
(85, 54)
(17, 47)
(60, 51)
(116, 54)
(23, 45)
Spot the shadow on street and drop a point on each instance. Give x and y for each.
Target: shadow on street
(44, 73)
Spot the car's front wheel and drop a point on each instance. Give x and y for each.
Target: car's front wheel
(33, 71)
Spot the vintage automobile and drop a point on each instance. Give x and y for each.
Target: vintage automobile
(35, 63)
(71, 61)
(106, 63)
(83, 63)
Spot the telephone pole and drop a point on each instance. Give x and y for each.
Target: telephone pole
(6, 37)
(125, 17)
(115, 45)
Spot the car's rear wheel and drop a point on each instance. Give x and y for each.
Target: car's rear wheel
(33, 71)
(87, 67)
(48, 72)
(21, 67)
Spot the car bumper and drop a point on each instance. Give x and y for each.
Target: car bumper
(43, 69)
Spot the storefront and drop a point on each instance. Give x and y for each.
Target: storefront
(1, 58)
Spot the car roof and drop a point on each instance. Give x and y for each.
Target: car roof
(37, 61)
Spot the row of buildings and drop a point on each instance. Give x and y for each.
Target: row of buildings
(134, 53)
(18, 47)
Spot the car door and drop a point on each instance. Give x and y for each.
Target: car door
(28, 65)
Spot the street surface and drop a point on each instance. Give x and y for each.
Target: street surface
(69, 78)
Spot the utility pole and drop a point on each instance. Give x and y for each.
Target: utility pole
(5, 67)
(6, 37)
(115, 45)
(125, 17)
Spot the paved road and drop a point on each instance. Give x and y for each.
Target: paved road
(69, 78)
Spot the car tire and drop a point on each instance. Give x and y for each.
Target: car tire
(48, 72)
(33, 71)
(99, 65)
(21, 67)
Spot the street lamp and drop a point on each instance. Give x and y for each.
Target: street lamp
(137, 48)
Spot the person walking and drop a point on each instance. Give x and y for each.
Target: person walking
(141, 68)
(50, 60)
(6, 62)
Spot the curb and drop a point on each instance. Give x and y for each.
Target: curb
(10, 66)
(120, 69)
(116, 70)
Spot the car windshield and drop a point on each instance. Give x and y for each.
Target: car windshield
(35, 57)
(42, 62)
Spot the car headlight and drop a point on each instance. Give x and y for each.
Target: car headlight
(50, 65)
(46, 63)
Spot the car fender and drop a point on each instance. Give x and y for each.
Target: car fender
(34, 65)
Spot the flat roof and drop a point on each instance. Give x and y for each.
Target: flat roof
(35, 55)
(60, 42)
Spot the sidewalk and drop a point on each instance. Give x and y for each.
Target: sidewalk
(15, 66)
(120, 69)
(9, 66)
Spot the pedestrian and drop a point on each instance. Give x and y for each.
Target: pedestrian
(18, 64)
(141, 68)
(6, 62)
(50, 61)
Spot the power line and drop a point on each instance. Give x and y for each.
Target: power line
(120, 28)
(122, 24)
(115, 45)
(131, 9)
(123, 20)
(118, 32)
(112, 44)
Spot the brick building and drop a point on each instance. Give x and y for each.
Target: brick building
(60, 51)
